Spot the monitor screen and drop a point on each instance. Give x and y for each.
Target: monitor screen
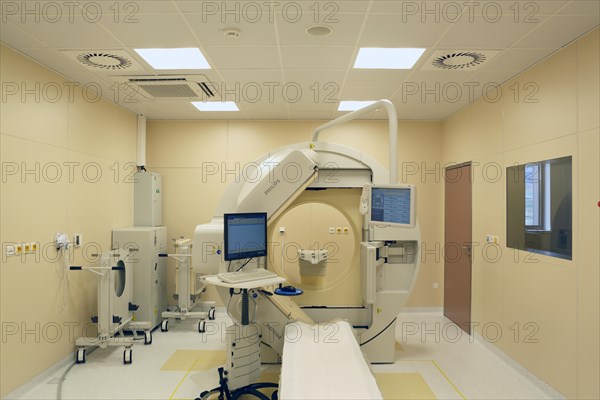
(245, 235)
(393, 205)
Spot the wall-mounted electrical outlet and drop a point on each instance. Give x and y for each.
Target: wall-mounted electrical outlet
(27, 247)
(77, 241)
(346, 230)
(282, 229)
(338, 229)
(11, 249)
(332, 229)
(34, 247)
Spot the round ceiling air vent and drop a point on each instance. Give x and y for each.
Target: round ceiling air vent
(459, 60)
(104, 61)
(319, 30)
(232, 33)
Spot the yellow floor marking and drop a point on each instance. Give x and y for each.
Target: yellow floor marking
(401, 385)
(181, 381)
(182, 360)
(441, 372)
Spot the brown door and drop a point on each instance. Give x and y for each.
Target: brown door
(457, 247)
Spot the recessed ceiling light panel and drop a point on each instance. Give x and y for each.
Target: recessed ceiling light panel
(215, 105)
(351, 105)
(387, 58)
(178, 58)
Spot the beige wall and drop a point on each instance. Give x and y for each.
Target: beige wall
(559, 297)
(45, 133)
(182, 150)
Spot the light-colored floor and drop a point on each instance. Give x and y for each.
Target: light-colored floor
(182, 362)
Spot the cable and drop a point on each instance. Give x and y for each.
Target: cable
(62, 379)
(64, 254)
(244, 264)
(380, 332)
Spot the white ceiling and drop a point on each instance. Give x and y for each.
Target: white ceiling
(274, 50)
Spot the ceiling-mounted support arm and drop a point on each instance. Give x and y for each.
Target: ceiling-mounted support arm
(393, 129)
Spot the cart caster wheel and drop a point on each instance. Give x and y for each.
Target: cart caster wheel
(202, 326)
(127, 356)
(80, 356)
(147, 337)
(211, 314)
(164, 326)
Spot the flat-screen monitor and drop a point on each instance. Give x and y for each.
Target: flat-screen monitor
(245, 235)
(393, 205)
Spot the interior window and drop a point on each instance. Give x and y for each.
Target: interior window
(539, 209)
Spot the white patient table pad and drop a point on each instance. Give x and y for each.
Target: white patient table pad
(324, 361)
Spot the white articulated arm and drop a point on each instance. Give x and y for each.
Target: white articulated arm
(393, 129)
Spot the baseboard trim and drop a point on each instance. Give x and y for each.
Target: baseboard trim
(44, 376)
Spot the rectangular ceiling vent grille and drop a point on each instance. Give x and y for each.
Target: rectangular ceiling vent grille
(195, 87)
(172, 90)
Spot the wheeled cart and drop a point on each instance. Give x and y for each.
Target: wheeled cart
(188, 290)
(114, 308)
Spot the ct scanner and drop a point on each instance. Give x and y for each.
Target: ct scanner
(387, 263)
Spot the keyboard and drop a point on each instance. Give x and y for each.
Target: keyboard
(246, 276)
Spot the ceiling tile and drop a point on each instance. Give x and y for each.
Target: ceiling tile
(247, 57)
(128, 10)
(317, 70)
(124, 11)
(308, 78)
(263, 77)
(443, 76)
(525, 11)
(345, 30)
(517, 59)
(210, 31)
(587, 7)
(558, 31)
(17, 38)
(150, 31)
(483, 34)
(387, 30)
(52, 59)
(68, 32)
(299, 11)
(488, 81)
(305, 57)
(299, 114)
(367, 93)
(376, 77)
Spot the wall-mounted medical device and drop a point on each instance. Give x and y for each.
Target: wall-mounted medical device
(390, 205)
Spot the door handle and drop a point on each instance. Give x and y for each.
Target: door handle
(467, 250)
